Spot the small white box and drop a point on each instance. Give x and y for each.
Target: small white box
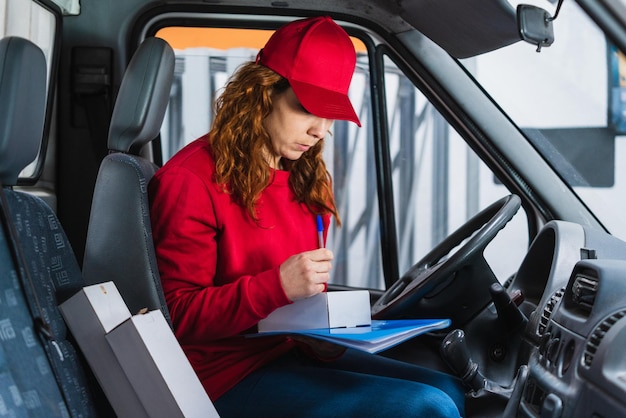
(158, 369)
(324, 310)
(90, 314)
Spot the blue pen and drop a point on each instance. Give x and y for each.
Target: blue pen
(320, 231)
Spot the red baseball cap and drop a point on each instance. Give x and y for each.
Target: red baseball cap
(317, 57)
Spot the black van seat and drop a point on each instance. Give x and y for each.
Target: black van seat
(41, 373)
(119, 244)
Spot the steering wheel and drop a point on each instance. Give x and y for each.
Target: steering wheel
(443, 269)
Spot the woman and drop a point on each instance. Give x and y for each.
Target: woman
(234, 224)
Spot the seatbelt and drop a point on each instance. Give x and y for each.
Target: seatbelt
(92, 94)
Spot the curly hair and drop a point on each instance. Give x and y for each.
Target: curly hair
(239, 142)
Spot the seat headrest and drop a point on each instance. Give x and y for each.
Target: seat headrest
(22, 105)
(143, 96)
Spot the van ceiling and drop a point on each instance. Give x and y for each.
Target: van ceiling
(463, 28)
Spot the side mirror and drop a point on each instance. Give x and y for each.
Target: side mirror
(535, 25)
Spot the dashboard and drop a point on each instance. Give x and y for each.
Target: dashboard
(577, 333)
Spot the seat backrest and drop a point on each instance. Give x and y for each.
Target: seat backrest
(119, 243)
(39, 375)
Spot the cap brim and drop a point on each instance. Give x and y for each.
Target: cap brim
(327, 104)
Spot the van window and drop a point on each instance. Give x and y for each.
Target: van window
(438, 182)
(205, 59)
(571, 106)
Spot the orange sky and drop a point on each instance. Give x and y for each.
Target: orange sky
(184, 37)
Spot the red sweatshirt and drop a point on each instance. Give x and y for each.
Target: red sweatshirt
(219, 268)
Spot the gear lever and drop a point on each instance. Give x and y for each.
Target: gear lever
(484, 393)
(456, 353)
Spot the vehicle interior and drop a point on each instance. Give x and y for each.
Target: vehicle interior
(486, 184)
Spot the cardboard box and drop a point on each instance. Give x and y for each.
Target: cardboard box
(325, 310)
(137, 360)
(158, 369)
(90, 314)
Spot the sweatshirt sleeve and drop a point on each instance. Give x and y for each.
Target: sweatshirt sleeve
(186, 234)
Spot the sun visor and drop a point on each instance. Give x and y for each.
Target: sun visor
(464, 28)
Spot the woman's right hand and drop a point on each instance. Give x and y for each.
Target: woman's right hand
(306, 274)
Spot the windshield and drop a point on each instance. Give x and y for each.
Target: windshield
(570, 101)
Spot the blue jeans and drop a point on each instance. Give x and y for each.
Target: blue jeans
(356, 385)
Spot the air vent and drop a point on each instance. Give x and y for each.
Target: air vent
(584, 291)
(547, 311)
(597, 335)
